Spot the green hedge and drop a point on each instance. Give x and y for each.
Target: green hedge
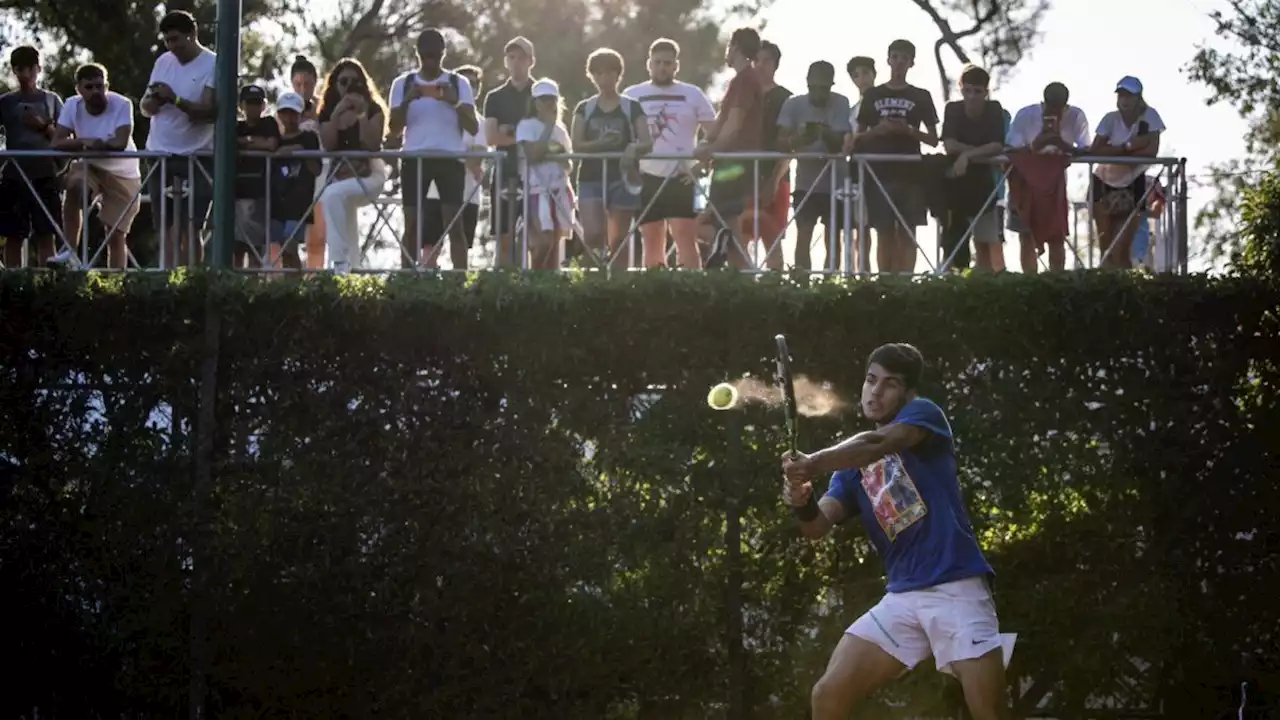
(504, 496)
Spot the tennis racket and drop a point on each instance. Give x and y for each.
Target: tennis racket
(787, 386)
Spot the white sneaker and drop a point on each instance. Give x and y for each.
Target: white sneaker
(64, 259)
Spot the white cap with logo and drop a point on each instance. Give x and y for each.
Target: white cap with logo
(290, 101)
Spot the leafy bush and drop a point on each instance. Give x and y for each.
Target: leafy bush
(504, 495)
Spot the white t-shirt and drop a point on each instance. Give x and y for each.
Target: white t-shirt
(431, 124)
(1117, 134)
(171, 129)
(674, 112)
(1029, 122)
(470, 195)
(549, 174)
(87, 126)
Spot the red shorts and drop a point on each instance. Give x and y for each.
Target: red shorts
(773, 215)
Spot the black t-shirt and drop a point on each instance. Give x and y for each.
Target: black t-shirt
(773, 100)
(251, 171)
(620, 120)
(508, 105)
(910, 103)
(294, 183)
(979, 181)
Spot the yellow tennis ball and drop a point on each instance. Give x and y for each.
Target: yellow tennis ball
(722, 396)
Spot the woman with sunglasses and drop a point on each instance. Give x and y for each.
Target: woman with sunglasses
(353, 118)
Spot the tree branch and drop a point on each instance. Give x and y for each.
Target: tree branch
(951, 38)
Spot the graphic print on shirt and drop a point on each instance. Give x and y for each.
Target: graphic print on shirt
(664, 122)
(894, 498)
(894, 107)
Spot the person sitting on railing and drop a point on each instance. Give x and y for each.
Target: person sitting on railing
(353, 118)
(973, 130)
(889, 122)
(305, 79)
(1119, 192)
(607, 122)
(255, 132)
(432, 111)
(293, 184)
(1050, 128)
(817, 122)
(551, 202)
(96, 120)
(180, 102)
(676, 110)
(737, 129)
(28, 207)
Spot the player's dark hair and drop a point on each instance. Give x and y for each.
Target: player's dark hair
(24, 57)
(665, 45)
(975, 76)
(900, 359)
(179, 21)
(604, 60)
(747, 40)
(91, 71)
(860, 61)
(772, 49)
(905, 47)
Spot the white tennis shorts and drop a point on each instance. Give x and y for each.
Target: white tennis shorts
(953, 621)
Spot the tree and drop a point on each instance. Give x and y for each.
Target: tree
(1002, 30)
(1246, 78)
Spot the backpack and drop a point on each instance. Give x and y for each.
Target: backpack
(628, 108)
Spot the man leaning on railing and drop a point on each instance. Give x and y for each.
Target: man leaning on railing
(98, 120)
(180, 102)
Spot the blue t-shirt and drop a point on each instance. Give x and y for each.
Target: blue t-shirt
(910, 504)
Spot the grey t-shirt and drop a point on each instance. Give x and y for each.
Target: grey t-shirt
(797, 115)
(13, 106)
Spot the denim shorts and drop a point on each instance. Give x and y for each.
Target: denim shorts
(619, 197)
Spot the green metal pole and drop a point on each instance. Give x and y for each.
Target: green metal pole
(227, 90)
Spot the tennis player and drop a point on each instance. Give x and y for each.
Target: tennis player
(900, 479)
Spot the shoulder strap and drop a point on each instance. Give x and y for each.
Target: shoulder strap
(51, 105)
(590, 108)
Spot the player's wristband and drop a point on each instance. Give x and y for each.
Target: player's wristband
(809, 511)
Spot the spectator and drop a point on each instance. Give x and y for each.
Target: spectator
(775, 175)
(353, 118)
(180, 102)
(1119, 192)
(675, 111)
(889, 121)
(862, 71)
(542, 133)
(1051, 127)
(475, 142)
(28, 206)
(305, 79)
(737, 129)
(433, 109)
(255, 132)
(608, 122)
(293, 184)
(817, 122)
(973, 130)
(504, 108)
(97, 120)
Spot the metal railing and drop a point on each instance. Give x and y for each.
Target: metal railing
(369, 181)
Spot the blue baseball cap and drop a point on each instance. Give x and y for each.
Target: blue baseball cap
(1129, 84)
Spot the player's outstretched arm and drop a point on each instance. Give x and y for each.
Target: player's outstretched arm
(865, 448)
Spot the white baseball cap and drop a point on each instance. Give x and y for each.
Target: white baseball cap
(290, 101)
(545, 88)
